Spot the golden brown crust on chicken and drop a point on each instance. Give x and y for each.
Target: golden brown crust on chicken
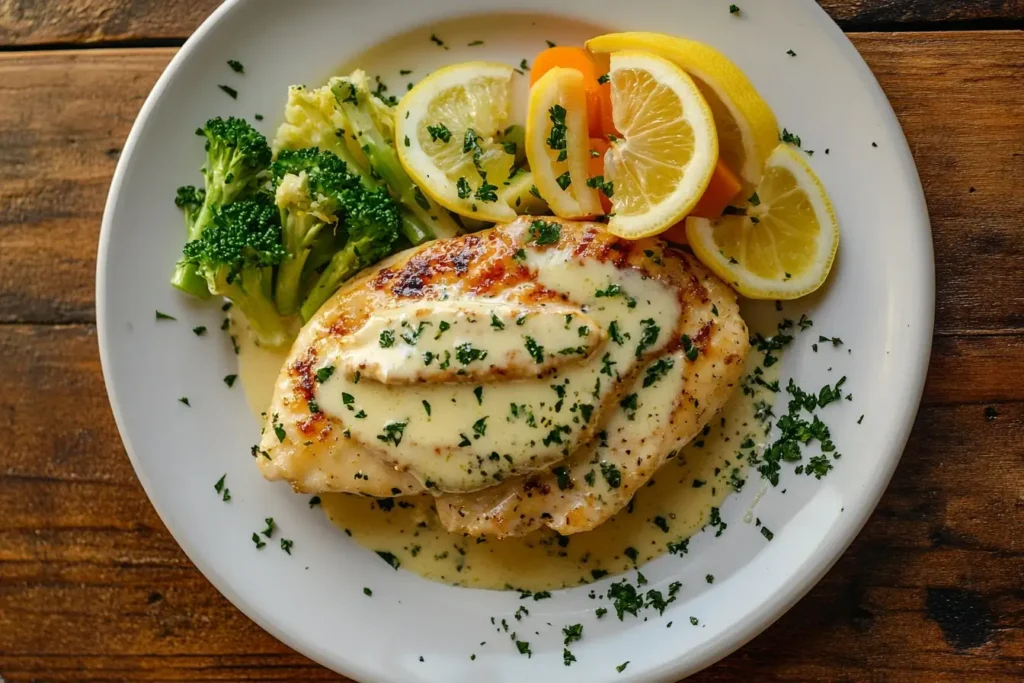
(316, 455)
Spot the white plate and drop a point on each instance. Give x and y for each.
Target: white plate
(879, 300)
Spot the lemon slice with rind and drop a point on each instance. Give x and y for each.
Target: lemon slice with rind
(747, 129)
(663, 162)
(783, 248)
(448, 135)
(557, 145)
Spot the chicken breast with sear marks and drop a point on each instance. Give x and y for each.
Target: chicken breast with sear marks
(534, 374)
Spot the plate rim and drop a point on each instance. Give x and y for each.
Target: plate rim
(802, 580)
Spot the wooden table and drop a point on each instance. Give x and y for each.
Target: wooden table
(92, 587)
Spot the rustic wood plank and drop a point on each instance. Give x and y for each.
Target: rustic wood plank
(92, 587)
(27, 23)
(958, 96)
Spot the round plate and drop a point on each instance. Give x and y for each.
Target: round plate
(879, 300)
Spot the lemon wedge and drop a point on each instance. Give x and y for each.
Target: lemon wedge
(783, 248)
(747, 129)
(448, 134)
(557, 145)
(663, 162)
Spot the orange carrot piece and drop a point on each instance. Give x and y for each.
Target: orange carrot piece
(722, 189)
(575, 58)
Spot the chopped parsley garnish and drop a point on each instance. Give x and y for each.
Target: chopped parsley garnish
(520, 255)
(535, 350)
(606, 364)
(442, 327)
(164, 316)
(479, 393)
(367, 592)
(557, 138)
(611, 474)
(710, 578)
(572, 633)
(314, 501)
(629, 405)
(545, 232)
(475, 43)
(603, 78)
(230, 380)
(466, 353)
(393, 432)
(463, 188)
(387, 339)
(648, 335)
(679, 547)
(661, 523)
(524, 648)
(767, 533)
(567, 657)
(426, 407)
(184, 400)
(564, 180)
(258, 541)
(389, 558)
(278, 429)
(733, 9)
(689, 348)
(598, 183)
(236, 66)
(487, 192)
(199, 331)
(790, 53)
(286, 545)
(439, 132)
(231, 92)
(269, 531)
(790, 138)
(615, 334)
(437, 41)
(480, 427)
(562, 477)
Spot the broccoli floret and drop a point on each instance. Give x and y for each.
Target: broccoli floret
(372, 221)
(354, 98)
(237, 156)
(236, 255)
(310, 186)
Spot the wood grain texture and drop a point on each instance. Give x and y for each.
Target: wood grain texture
(957, 95)
(93, 588)
(27, 23)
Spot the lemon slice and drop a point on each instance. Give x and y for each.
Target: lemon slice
(448, 134)
(747, 129)
(557, 145)
(784, 246)
(663, 162)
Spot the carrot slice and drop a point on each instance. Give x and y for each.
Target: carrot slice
(578, 58)
(722, 189)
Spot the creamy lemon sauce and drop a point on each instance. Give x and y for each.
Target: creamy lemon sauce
(466, 436)
(682, 498)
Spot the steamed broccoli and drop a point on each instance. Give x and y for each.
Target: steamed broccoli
(236, 255)
(372, 221)
(355, 99)
(236, 157)
(310, 185)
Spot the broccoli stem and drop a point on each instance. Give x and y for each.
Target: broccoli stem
(250, 292)
(344, 265)
(384, 161)
(414, 229)
(300, 232)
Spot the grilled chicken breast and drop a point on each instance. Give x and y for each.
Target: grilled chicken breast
(537, 373)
